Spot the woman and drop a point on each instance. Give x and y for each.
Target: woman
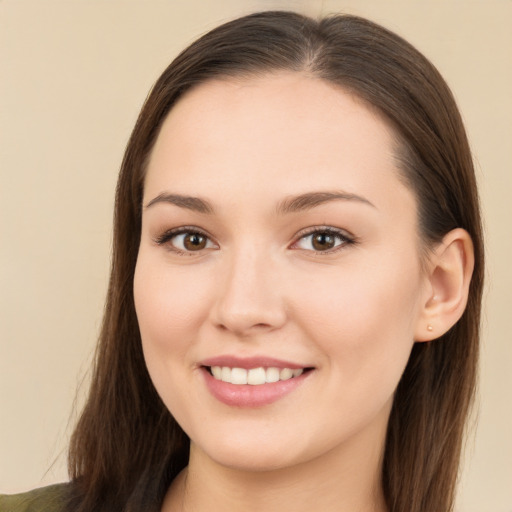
(293, 311)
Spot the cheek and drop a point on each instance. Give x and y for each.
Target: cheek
(363, 317)
(170, 304)
(170, 307)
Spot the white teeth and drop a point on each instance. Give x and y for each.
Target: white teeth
(272, 374)
(225, 374)
(254, 376)
(285, 374)
(238, 375)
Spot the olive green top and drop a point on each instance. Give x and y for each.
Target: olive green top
(45, 499)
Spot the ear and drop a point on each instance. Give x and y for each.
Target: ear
(448, 276)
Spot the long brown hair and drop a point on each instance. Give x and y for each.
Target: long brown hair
(127, 447)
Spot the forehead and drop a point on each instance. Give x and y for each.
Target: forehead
(284, 130)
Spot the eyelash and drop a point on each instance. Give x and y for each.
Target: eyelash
(167, 236)
(341, 235)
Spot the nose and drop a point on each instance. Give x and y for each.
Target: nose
(249, 298)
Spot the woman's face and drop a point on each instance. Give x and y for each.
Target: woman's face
(277, 240)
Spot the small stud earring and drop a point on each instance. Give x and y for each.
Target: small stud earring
(430, 328)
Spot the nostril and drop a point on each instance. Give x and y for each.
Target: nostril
(243, 326)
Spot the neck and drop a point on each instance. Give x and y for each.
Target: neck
(340, 482)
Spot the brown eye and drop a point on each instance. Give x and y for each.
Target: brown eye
(194, 241)
(185, 241)
(323, 241)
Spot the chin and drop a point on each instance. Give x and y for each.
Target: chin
(248, 456)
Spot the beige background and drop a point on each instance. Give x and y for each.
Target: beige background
(73, 76)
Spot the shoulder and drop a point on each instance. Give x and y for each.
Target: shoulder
(45, 499)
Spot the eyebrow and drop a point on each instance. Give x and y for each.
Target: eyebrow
(312, 199)
(293, 204)
(195, 204)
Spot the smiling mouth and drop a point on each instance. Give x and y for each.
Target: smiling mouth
(254, 376)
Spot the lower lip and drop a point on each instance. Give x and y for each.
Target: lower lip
(247, 395)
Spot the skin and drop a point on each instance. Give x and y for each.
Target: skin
(260, 287)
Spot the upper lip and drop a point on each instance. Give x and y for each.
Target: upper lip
(251, 362)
